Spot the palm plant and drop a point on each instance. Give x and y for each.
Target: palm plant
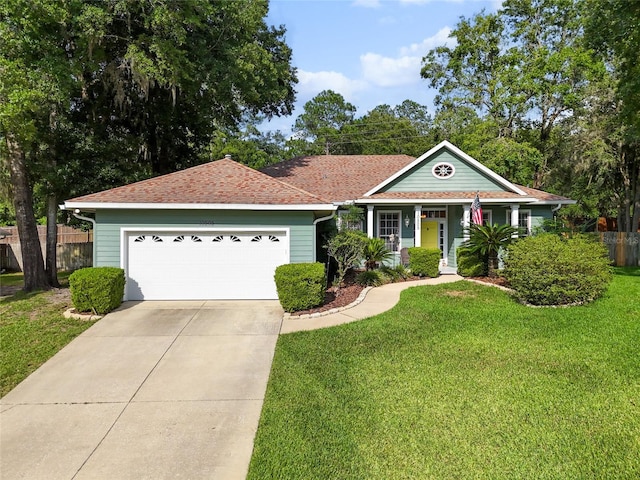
(486, 242)
(375, 252)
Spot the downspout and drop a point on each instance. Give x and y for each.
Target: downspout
(315, 231)
(315, 237)
(76, 214)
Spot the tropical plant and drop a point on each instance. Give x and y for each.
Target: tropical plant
(371, 278)
(487, 241)
(375, 252)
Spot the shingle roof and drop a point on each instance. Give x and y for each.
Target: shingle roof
(339, 178)
(220, 182)
(342, 178)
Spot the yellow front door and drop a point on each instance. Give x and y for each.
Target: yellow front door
(429, 234)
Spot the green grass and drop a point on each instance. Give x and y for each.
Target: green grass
(459, 381)
(32, 330)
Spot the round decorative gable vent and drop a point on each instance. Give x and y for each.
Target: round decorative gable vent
(443, 170)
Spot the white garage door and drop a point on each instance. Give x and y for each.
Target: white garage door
(204, 265)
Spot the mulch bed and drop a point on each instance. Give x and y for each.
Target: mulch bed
(346, 295)
(500, 281)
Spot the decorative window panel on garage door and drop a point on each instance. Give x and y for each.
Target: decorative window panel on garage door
(203, 265)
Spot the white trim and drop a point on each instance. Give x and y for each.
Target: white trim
(445, 144)
(466, 220)
(125, 232)
(417, 225)
(192, 206)
(370, 218)
(441, 201)
(397, 212)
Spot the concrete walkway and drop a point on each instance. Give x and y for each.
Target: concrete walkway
(154, 390)
(378, 300)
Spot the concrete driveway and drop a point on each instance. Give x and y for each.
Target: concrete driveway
(154, 390)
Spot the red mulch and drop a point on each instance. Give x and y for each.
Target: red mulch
(347, 294)
(336, 298)
(501, 281)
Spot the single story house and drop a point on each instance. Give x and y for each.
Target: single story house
(219, 230)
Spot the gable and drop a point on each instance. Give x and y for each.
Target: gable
(465, 178)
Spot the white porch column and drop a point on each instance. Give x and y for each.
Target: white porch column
(370, 221)
(417, 224)
(466, 217)
(515, 218)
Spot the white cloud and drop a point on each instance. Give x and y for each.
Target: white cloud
(312, 83)
(405, 68)
(440, 38)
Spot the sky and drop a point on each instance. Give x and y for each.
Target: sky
(369, 51)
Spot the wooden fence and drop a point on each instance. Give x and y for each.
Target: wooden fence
(70, 256)
(624, 248)
(66, 234)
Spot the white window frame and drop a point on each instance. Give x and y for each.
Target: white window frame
(521, 214)
(489, 214)
(398, 213)
(435, 168)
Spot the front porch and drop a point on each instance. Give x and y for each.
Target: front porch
(441, 226)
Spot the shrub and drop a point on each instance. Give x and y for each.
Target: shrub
(375, 252)
(424, 261)
(371, 278)
(300, 285)
(97, 289)
(347, 247)
(470, 264)
(551, 270)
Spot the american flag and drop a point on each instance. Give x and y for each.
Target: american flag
(476, 211)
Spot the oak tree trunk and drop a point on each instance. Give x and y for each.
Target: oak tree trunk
(32, 261)
(51, 268)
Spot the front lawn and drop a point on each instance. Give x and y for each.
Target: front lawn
(459, 381)
(32, 330)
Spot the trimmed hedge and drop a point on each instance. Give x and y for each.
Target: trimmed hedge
(97, 289)
(551, 270)
(300, 285)
(470, 264)
(424, 261)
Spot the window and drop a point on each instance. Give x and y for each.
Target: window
(487, 217)
(433, 214)
(389, 229)
(524, 221)
(443, 170)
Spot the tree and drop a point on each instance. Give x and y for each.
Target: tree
(323, 118)
(525, 67)
(612, 28)
(165, 75)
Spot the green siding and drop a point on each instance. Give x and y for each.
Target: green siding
(110, 222)
(420, 178)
